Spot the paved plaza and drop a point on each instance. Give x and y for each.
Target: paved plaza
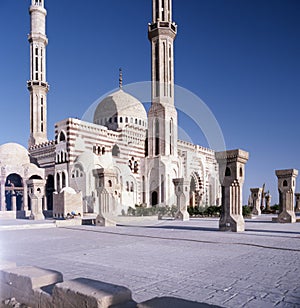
(189, 260)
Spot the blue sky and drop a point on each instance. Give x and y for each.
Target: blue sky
(241, 57)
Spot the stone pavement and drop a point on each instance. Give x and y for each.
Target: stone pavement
(189, 260)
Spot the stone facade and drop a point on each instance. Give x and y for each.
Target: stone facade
(286, 188)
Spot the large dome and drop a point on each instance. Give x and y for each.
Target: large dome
(120, 109)
(13, 154)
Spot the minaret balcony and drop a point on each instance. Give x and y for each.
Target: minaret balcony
(163, 25)
(32, 83)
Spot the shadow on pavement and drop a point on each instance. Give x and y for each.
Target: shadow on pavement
(163, 302)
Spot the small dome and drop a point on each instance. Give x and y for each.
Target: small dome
(120, 109)
(88, 160)
(13, 154)
(68, 190)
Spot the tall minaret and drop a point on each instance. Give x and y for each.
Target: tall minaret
(37, 85)
(162, 116)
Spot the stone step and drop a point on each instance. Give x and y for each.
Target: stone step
(88, 293)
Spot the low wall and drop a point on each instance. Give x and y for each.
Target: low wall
(36, 287)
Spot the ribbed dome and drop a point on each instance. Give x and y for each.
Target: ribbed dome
(13, 154)
(120, 109)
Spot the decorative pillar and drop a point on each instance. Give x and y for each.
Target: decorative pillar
(286, 188)
(2, 196)
(25, 197)
(13, 201)
(105, 181)
(256, 196)
(232, 175)
(297, 196)
(180, 185)
(36, 193)
(268, 198)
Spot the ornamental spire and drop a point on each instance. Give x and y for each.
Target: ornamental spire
(120, 78)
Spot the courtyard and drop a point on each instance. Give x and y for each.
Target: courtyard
(189, 260)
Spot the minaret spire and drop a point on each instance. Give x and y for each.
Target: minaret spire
(120, 78)
(37, 85)
(162, 117)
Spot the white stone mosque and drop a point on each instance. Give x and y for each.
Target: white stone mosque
(126, 154)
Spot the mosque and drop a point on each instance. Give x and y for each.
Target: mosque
(132, 155)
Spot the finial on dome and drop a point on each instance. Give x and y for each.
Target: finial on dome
(120, 78)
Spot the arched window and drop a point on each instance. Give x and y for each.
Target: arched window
(127, 186)
(130, 164)
(227, 172)
(171, 136)
(115, 151)
(136, 167)
(140, 122)
(109, 183)
(103, 150)
(63, 179)
(62, 137)
(285, 183)
(57, 182)
(136, 121)
(157, 137)
(121, 120)
(62, 156)
(116, 120)
(132, 187)
(126, 120)
(241, 171)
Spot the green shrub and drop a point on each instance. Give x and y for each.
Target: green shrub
(212, 211)
(246, 211)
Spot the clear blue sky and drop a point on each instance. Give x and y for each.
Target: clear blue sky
(241, 57)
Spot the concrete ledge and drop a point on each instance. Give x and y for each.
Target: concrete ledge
(88, 293)
(7, 264)
(68, 222)
(25, 284)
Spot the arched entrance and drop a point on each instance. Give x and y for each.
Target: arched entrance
(154, 198)
(196, 190)
(49, 192)
(14, 192)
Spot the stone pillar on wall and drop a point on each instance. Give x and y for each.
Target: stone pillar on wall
(232, 175)
(180, 189)
(25, 197)
(2, 196)
(256, 196)
(36, 193)
(297, 208)
(286, 188)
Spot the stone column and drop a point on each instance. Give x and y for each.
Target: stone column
(232, 175)
(2, 196)
(13, 202)
(268, 198)
(180, 185)
(286, 188)
(25, 197)
(36, 194)
(105, 183)
(256, 195)
(297, 196)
